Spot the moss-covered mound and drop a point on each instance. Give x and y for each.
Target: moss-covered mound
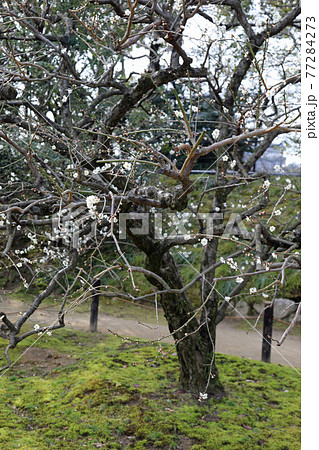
(93, 391)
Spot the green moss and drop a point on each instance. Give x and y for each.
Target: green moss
(124, 395)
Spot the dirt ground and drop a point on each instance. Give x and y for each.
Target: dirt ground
(232, 338)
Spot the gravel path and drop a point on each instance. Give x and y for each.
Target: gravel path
(231, 340)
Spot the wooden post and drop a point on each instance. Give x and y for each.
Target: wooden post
(95, 305)
(267, 333)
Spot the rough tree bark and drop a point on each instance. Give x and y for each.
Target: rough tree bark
(194, 339)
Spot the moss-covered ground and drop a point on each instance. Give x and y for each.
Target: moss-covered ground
(93, 391)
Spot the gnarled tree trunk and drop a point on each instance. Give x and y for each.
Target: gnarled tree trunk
(195, 341)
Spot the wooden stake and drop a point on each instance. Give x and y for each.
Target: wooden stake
(267, 333)
(95, 305)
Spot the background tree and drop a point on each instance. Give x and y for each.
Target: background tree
(106, 108)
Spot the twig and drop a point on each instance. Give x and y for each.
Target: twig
(291, 326)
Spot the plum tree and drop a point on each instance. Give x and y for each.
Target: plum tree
(107, 109)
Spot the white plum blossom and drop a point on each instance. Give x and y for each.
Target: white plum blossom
(202, 397)
(252, 290)
(91, 201)
(36, 327)
(225, 158)
(232, 264)
(265, 295)
(117, 149)
(204, 242)
(232, 164)
(215, 134)
(127, 166)
(272, 228)
(266, 185)
(178, 114)
(239, 280)
(277, 212)
(277, 168)
(227, 299)
(274, 255)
